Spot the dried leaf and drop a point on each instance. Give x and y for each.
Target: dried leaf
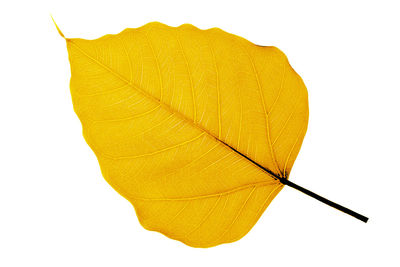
(194, 127)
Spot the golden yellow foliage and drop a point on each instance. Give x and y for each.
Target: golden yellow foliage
(194, 127)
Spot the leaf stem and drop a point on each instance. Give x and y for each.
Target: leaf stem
(324, 200)
(285, 181)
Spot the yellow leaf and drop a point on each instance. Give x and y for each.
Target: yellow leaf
(194, 127)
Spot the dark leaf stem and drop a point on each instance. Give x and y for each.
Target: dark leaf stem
(285, 181)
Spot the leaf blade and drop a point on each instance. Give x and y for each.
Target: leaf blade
(141, 133)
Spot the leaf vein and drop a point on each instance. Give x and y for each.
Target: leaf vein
(190, 77)
(157, 64)
(268, 131)
(239, 188)
(237, 214)
(205, 217)
(291, 150)
(218, 89)
(155, 152)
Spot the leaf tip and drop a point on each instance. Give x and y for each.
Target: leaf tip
(58, 29)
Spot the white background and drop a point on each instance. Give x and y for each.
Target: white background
(57, 210)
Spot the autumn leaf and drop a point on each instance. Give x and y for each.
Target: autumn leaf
(198, 129)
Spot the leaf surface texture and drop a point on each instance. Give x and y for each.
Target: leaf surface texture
(181, 119)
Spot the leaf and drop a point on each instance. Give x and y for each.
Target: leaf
(194, 127)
